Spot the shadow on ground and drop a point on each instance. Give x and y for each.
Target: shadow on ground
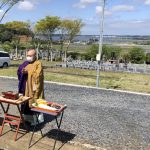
(1, 120)
(56, 134)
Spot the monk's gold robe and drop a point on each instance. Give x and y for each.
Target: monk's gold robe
(35, 81)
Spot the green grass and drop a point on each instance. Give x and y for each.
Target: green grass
(111, 80)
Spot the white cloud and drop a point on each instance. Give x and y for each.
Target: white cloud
(88, 1)
(147, 2)
(119, 27)
(84, 3)
(25, 5)
(130, 27)
(99, 10)
(1, 12)
(109, 12)
(132, 24)
(123, 8)
(78, 5)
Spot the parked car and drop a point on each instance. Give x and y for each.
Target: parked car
(4, 59)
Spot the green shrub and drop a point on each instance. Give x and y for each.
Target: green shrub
(147, 60)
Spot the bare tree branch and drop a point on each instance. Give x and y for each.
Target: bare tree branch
(3, 4)
(6, 5)
(5, 13)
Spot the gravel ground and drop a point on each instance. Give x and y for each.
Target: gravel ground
(105, 118)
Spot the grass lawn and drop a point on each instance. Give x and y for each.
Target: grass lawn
(111, 80)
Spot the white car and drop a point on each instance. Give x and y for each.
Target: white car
(4, 59)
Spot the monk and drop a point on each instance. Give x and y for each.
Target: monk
(22, 78)
(35, 81)
(31, 79)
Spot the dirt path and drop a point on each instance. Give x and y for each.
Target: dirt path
(7, 142)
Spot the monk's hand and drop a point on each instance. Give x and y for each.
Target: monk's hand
(24, 71)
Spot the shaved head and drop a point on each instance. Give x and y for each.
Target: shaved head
(31, 52)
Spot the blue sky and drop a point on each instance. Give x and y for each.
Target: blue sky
(130, 17)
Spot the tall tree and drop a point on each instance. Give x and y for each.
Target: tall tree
(19, 28)
(37, 43)
(6, 5)
(69, 29)
(48, 26)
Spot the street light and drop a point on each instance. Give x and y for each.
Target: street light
(98, 58)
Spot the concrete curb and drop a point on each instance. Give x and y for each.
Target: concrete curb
(81, 86)
(88, 146)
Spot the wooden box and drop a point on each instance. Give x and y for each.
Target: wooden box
(10, 95)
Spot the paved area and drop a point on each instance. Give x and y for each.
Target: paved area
(38, 143)
(108, 119)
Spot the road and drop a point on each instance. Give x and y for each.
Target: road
(105, 118)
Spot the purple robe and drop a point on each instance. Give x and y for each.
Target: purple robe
(22, 78)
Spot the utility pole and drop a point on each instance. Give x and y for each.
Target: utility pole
(98, 58)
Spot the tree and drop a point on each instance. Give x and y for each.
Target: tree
(111, 52)
(137, 55)
(124, 57)
(48, 26)
(108, 52)
(7, 46)
(6, 5)
(147, 59)
(5, 34)
(92, 52)
(18, 28)
(37, 42)
(69, 29)
(16, 44)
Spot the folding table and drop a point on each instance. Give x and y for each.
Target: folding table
(55, 114)
(10, 118)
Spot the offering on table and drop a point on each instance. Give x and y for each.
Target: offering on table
(41, 101)
(51, 106)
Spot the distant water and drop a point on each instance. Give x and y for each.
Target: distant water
(106, 38)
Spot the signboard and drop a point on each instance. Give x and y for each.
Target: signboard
(98, 57)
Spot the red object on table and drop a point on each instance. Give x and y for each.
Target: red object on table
(10, 118)
(10, 95)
